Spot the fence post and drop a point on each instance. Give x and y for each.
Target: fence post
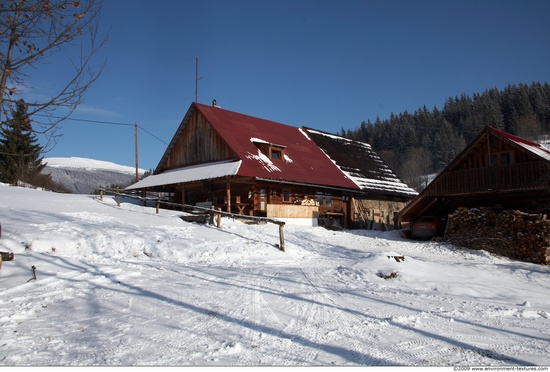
(219, 218)
(282, 237)
(158, 203)
(100, 194)
(117, 197)
(211, 215)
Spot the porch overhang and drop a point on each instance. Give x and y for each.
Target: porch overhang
(189, 174)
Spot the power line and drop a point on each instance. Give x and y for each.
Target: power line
(85, 120)
(107, 123)
(152, 135)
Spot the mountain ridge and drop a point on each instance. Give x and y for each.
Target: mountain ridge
(85, 176)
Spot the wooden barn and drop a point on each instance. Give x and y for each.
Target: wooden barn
(496, 170)
(247, 165)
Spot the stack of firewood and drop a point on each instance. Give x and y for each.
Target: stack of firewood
(309, 202)
(509, 233)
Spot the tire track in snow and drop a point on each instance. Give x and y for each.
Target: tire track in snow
(277, 327)
(182, 323)
(406, 326)
(363, 346)
(439, 343)
(405, 319)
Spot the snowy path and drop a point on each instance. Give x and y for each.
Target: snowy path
(203, 296)
(135, 314)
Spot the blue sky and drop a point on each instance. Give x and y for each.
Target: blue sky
(322, 64)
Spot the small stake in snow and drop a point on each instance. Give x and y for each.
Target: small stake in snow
(397, 258)
(33, 273)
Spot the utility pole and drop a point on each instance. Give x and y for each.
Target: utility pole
(136, 146)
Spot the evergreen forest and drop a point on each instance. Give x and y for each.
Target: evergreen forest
(417, 144)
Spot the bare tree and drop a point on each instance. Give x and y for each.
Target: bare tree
(31, 31)
(530, 127)
(416, 169)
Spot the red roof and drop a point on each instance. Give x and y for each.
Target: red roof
(304, 161)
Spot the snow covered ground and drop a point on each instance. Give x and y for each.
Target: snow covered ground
(124, 286)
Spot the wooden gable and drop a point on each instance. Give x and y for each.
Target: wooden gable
(492, 149)
(198, 143)
(491, 163)
(494, 169)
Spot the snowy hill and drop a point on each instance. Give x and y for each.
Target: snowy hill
(124, 286)
(83, 176)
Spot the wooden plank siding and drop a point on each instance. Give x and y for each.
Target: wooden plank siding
(198, 144)
(512, 177)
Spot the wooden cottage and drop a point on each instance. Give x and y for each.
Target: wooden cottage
(253, 166)
(496, 169)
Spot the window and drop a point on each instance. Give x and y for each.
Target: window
(276, 154)
(506, 158)
(328, 200)
(263, 199)
(320, 198)
(271, 150)
(502, 158)
(286, 196)
(494, 160)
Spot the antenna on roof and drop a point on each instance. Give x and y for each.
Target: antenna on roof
(197, 78)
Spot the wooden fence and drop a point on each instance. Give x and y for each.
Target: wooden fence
(193, 209)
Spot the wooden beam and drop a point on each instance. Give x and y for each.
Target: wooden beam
(182, 193)
(228, 195)
(282, 237)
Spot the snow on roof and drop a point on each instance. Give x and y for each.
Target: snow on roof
(387, 181)
(537, 150)
(533, 147)
(304, 133)
(335, 137)
(264, 161)
(382, 186)
(189, 174)
(258, 140)
(359, 163)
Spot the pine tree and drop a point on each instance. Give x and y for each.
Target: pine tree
(20, 158)
(520, 110)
